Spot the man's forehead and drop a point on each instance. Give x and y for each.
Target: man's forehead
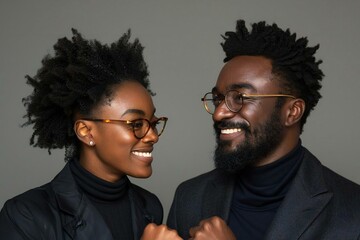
(234, 86)
(243, 72)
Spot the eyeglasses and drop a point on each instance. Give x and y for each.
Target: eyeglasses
(139, 126)
(234, 100)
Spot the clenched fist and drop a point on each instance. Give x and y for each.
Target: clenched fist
(159, 232)
(213, 228)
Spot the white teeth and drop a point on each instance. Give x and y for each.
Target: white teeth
(142, 154)
(230, 131)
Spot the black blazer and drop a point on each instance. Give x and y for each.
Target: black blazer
(320, 204)
(58, 210)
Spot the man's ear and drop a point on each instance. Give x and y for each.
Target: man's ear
(294, 112)
(83, 132)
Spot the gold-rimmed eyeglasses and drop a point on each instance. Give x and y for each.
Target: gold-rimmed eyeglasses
(234, 100)
(140, 126)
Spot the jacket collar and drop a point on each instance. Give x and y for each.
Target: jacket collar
(305, 200)
(79, 217)
(77, 213)
(218, 195)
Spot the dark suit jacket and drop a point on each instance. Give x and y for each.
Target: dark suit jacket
(320, 204)
(58, 210)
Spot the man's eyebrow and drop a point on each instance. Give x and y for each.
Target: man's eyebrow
(240, 85)
(235, 86)
(136, 111)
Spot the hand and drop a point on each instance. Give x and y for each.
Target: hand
(159, 232)
(212, 228)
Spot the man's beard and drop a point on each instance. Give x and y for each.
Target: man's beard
(257, 145)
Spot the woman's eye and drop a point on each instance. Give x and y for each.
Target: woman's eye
(137, 124)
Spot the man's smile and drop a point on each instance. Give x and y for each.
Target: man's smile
(230, 134)
(230, 130)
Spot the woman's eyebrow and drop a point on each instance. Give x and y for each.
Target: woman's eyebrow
(132, 110)
(137, 111)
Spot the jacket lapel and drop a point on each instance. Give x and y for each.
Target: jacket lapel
(218, 196)
(140, 218)
(305, 200)
(79, 218)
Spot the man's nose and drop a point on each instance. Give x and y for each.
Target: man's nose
(222, 112)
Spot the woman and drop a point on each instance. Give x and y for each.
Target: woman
(93, 100)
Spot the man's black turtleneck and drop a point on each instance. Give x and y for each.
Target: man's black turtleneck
(110, 199)
(258, 193)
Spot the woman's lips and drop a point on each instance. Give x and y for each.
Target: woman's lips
(142, 154)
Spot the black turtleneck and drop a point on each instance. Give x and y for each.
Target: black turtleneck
(258, 194)
(110, 199)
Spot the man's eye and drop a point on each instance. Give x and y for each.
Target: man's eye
(237, 99)
(216, 100)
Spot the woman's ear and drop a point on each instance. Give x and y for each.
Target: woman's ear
(295, 111)
(83, 132)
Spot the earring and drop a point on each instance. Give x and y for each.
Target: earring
(91, 143)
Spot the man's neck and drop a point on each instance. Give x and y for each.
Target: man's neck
(284, 148)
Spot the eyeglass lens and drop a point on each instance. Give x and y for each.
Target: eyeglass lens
(233, 101)
(142, 126)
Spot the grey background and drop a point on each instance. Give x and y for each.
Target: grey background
(181, 40)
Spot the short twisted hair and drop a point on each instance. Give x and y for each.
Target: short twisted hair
(293, 62)
(77, 78)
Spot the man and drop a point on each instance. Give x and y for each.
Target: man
(266, 185)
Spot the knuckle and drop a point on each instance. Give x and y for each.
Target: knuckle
(207, 226)
(151, 226)
(217, 219)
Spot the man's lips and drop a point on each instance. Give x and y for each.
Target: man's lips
(230, 133)
(226, 130)
(230, 130)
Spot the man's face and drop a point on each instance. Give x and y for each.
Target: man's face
(249, 136)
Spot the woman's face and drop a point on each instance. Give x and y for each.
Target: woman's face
(116, 151)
